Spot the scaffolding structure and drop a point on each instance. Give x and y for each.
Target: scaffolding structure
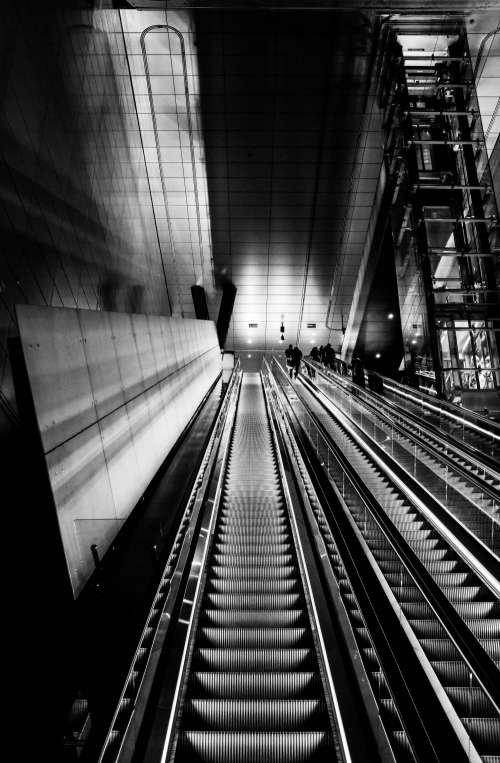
(444, 216)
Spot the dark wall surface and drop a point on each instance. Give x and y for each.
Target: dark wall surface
(76, 230)
(380, 334)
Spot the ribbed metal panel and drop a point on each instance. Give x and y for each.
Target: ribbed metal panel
(255, 747)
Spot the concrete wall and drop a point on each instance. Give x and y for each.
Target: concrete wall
(112, 393)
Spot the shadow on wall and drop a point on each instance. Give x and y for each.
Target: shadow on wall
(77, 225)
(112, 392)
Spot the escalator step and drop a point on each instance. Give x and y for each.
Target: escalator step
(485, 734)
(236, 546)
(262, 685)
(272, 601)
(260, 714)
(237, 618)
(439, 649)
(415, 610)
(486, 629)
(427, 629)
(452, 673)
(476, 610)
(277, 638)
(255, 587)
(256, 747)
(253, 659)
(253, 560)
(492, 646)
(402, 746)
(470, 701)
(249, 572)
(278, 533)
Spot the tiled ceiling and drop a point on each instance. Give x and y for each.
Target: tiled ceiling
(293, 151)
(275, 111)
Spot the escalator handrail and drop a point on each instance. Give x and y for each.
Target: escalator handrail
(168, 600)
(192, 595)
(485, 563)
(488, 428)
(478, 458)
(346, 754)
(385, 630)
(473, 453)
(473, 479)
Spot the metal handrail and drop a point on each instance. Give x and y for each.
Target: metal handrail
(472, 419)
(368, 400)
(319, 448)
(484, 562)
(164, 601)
(317, 633)
(483, 677)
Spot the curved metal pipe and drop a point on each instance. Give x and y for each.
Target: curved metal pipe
(145, 163)
(180, 37)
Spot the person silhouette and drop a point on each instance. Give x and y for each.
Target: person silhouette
(296, 358)
(289, 359)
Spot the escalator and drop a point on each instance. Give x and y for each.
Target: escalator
(452, 616)
(302, 626)
(478, 435)
(469, 490)
(254, 689)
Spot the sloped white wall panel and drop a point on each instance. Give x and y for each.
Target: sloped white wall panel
(112, 394)
(102, 365)
(62, 394)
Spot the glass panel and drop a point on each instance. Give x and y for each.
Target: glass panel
(438, 232)
(468, 380)
(445, 348)
(464, 349)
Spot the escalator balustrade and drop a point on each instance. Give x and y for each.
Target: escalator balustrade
(254, 689)
(473, 601)
(455, 482)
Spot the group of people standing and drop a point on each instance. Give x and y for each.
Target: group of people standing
(327, 356)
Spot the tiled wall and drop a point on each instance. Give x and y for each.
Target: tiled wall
(112, 394)
(76, 216)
